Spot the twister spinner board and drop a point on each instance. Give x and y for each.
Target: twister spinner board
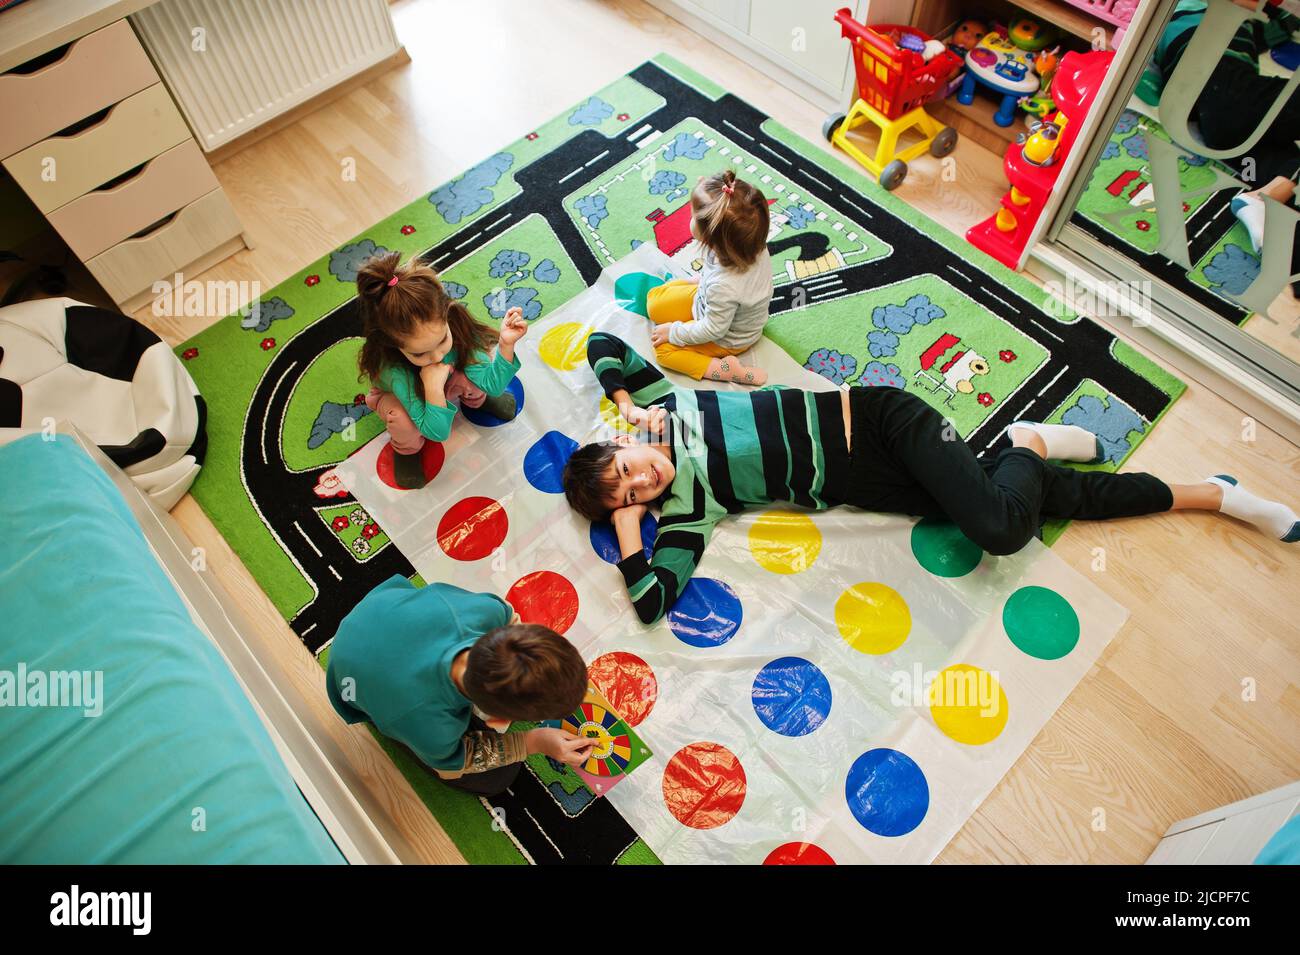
(618, 750)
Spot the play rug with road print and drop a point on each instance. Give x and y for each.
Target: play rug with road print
(868, 291)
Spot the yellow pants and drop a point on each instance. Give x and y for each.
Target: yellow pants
(672, 302)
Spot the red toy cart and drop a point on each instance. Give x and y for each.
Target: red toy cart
(893, 83)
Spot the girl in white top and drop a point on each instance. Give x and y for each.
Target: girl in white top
(701, 325)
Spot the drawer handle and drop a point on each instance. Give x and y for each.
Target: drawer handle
(117, 182)
(43, 61)
(73, 130)
(158, 226)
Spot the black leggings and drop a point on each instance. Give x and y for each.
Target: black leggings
(904, 460)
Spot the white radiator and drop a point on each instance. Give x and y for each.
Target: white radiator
(232, 65)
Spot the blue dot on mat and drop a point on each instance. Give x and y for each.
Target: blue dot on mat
(887, 792)
(545, 460)
(707, 614)
(484, 420)
(605, 543)
(791, 696)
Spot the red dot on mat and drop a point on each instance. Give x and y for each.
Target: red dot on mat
(627, 682)
(545, 597)
(431, 458)
(704, 785)
(798, 853)
(472, 528)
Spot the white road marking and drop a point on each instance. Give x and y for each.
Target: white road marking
(569, 176)
(262, 443)
(823, 280)
(814, 179)
(497, 222)
(1048, 331)
(543, 832)
(960, 272)
(726, 122)
(776, 154)
(645, 127)
(855, 206)
(469, 240)
(595, 159)
(309, 630)
(307, 539)
(1053, 381)
(999, 299)
(838, 291)
(335, 573)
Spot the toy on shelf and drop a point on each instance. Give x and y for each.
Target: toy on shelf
(1045, 64)
(966, 35)
(898, 69)
(1033, 163)
(1030, 35)
(1116, 12)
(1002, 67)
(1039, 145)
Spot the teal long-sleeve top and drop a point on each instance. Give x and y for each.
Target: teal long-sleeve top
(491, 373)
(390, 663)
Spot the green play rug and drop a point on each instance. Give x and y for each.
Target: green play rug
(868, 292)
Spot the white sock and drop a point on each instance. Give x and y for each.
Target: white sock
(1249, 211)
(1271, 517)
(1065, 442)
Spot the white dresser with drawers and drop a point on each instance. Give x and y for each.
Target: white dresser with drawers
(90, 133)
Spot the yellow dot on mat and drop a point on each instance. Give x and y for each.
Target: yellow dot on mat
(968, 704)
(784, 542)
(609, 414)
(873, 618)
(565, 346)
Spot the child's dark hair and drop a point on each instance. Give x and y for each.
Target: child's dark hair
(732, 219)
(589, 481)
(392, 310)
(525, 671)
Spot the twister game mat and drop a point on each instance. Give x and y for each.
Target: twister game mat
(867, 291)
(836, 685)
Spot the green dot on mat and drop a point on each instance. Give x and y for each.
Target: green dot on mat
(1041, 622)
(630, 290)
(942, 549)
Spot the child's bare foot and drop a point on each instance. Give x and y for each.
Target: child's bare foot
(729, 369)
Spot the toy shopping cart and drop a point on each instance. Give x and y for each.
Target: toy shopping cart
(894, 80)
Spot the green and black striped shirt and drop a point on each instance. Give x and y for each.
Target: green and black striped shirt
(733, 451)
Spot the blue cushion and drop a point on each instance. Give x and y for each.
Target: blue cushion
(177, 768)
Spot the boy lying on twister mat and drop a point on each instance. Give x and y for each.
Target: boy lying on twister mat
(489, 521)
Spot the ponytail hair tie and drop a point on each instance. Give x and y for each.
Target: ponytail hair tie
(392, 281)
(728, 189)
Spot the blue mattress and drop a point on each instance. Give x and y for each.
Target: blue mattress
(177, 767)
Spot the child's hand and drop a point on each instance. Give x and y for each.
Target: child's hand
(513, 326)
(647, 419)
(557, 744)
(629, 513)
(659, 335)
(434, 377)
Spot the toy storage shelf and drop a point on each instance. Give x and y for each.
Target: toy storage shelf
(975, 122)
(1072, 20)
(937, 17)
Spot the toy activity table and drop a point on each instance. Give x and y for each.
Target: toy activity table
(1002, 67)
